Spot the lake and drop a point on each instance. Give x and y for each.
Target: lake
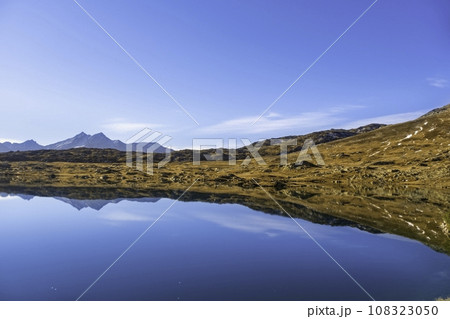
(56, 248)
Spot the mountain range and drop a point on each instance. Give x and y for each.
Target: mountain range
(101, 141)
(82, 140)
(96, 204)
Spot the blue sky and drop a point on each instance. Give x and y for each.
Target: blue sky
(224, 61)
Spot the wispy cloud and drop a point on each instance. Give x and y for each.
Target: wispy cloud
(123, 126)
(126, 216)
(251, 223)
(260, 223)
(270, 124)
(277, 122)
(2, 140)
(438, 82)
(386, 119)
(8, 197)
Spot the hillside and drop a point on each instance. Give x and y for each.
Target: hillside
(84, 148)
(420, 149)
(410, 153)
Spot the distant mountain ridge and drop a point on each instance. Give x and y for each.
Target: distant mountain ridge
(29, 145)
(82, 140)
(96, 204)
(270, 147)
(100, 141)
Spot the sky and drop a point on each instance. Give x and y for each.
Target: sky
(224, 62)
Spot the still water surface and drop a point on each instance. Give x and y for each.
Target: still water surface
(54, 249)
